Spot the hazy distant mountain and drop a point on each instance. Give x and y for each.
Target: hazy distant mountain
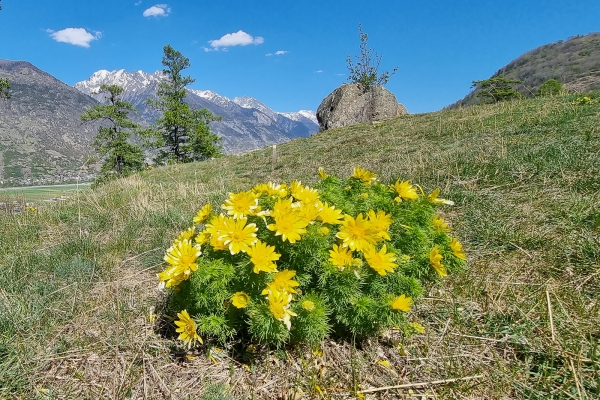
(41, 136)
(574, 62)
(247, 123)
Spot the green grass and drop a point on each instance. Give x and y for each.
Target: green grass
(77, 280)
(40, 193)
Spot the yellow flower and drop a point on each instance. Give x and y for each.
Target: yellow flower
(240, 300)
(203, 214)
(364, 195)
(308, 305)
(382, 261)
(330, 215)
(289, 226)
(262, 256)
(440, 225)
(309, 211)
(182, 258)
(238, 236)
(366, 176)
(305, 194)
(324, 231)
(202, 237)
(271, 189)
(340, 256)
(380, 223)
(279, 304)
(433, 198)
(322, 173)
(187, 234)
(216, 226)
(241, 204)
(402, 303)
(405, 191)
(357, 233)
(282, 282)
(457, 249)
(435, 259)
(187, 329)
(282, 207)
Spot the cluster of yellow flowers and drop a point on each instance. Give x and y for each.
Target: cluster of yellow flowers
(294, 209)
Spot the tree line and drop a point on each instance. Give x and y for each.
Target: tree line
(180, 135)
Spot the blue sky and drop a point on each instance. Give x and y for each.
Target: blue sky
(291, 54)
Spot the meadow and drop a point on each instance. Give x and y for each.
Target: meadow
(81, 317)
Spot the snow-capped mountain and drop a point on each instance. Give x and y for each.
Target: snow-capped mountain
(247, 123)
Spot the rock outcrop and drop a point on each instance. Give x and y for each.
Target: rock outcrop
(349, 104)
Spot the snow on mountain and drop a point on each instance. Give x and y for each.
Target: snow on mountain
(301, 115)
(246, 123)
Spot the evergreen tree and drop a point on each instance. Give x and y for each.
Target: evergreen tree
(120, 157)
(181, 134)
(4, 88)
(551, 87)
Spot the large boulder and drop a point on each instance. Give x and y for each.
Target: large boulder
(350, 104)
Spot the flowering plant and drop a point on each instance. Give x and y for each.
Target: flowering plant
(295, 263)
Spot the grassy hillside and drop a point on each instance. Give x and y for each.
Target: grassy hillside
(77, 279)
(574, 62)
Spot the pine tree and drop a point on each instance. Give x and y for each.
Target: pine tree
(121, 158)
(4, 88)
(182, 134)
(497, 89)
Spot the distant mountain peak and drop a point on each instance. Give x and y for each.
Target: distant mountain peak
(247, 123)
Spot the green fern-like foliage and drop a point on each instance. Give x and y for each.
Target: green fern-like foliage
(283, 264)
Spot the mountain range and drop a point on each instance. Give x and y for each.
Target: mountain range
(43, 140)
(246, 124)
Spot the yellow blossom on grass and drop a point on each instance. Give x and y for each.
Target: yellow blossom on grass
(238, 237)
(262, 256)
(357, 233)
(308, 305)
(282, 282)
(281, 207)
(381, 261)
(271, 189)
(182, 258)
(402, 303)
(289, 226)
(241, 204)
(202, 237)
(330, 214)
(187, 234)
(405, 191)
(203, 214)
(340, 256)
(305, 194)
(309, 211)
(240, 300)
(279, 304)
(187, 329)
(380, 223)
(433, 198)
(364, 195)
(322, 173)
(457, 249)
(435, 258)
(440, 225)
(324, 231)
(367, 177)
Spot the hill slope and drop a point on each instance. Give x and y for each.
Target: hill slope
(78, 283)
(41, 136)
(574, 62)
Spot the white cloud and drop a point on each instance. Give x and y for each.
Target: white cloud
(280, 52)
(239, 38)
(74, 36)
(138, 3)
(319, 71)
(157, 10)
